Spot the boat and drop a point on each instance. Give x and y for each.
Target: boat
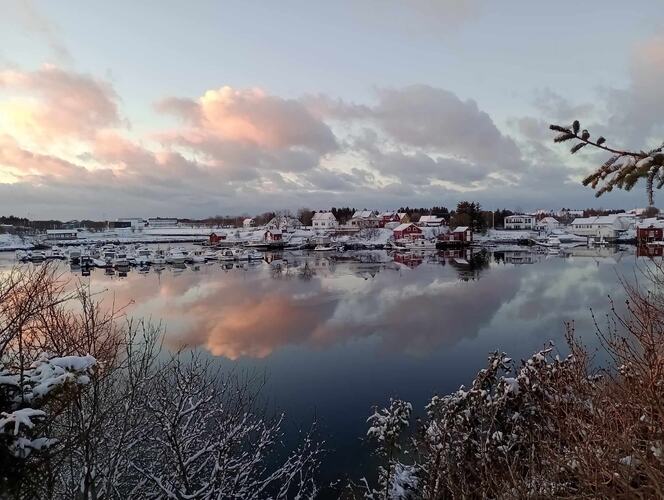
(550, 242)
(158, 258)
(211, 254)
(323, 248)
(227, 254)
(254, 255)
(22, 255)
(175, 256)
(107, 255)
(121, 259)
(74, 255)
(37, 256)
(142, 256)
(195, 256)
(56, 253)
(420, 244)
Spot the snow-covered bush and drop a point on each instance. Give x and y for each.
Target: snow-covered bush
(547, 427)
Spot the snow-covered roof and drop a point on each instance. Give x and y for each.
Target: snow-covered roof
(600, 219)
(363, 214)
(519, 216)
(248, 220)
(401, 227)
(548, 220)
(461, 229)
(430, 218)
(273, 231)
(61, 231)
(652, 222)
(324, 216)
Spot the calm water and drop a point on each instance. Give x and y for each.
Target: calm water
(337, 337)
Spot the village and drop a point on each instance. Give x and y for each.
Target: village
(405, 234)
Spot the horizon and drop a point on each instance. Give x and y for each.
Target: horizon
(224, 107)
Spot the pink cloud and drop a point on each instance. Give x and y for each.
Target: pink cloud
(51, 104)
(251, 116)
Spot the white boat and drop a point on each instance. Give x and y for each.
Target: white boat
(550, 242)
(323, 248)
(56, 253)
(74, 255)
(107, 255)
(175, 256)
(142, 256)
(420, 244)
(37, 256)
(211, 255)
(22, 255)
(227, 254)
(121, 259)
(254, 255)
(195, 256)
(158, 258)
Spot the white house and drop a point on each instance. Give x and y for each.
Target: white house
(548, 223)
(285, 223)
(602, 226)
(324, 220)
(430, 221)
(248, 223)
(365, 218)
(520, 222)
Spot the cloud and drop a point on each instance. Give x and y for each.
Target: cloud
(52, 104)
(638, 110)
(251, 116)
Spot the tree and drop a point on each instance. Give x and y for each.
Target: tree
(305, 215)
(623, 169)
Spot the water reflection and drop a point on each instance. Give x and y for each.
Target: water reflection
(413, 304)
(353, 329)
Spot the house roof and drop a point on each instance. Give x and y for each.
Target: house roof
(324, 216)
(273, 231)
(461, 229)
(548, 220)
(60, 231)
(430, 218)
(247, 220)
(363, 214)
(652, 222)
(401, 227)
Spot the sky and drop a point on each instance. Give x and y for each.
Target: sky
(193, 109)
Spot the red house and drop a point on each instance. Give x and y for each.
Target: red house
(409, 231)
(650, 231)
(272, 235)
(386, 217)
(216, 238)
(460, 235)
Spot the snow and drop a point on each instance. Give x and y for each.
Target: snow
(20, 417)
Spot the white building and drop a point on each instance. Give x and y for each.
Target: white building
(130, 222)
(248, 223)
(324, 220)
(570, 213)
(607, 227)
(364, 219)
(548, 224)
(162, 222)
(61, 234)
(285, 223)
(522, 221)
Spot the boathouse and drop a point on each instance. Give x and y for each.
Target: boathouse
(215, 238)
(407, 231)
(650, 231)
(272, 235)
